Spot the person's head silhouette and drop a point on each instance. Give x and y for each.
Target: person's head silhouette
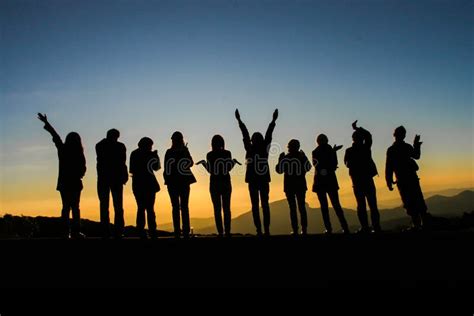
(145, 144)
(322, 140)
(73, 142)
(257, 139)
(177, 139)
(358, 137)
(400, 133)
(217, 142)
(113, 135)
(293, 146)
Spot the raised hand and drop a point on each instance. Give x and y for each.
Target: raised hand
(275, 115)
(237, 162)
(43, 118)
(336, 147)
(354, 125)
(417, 140)
(237, 114)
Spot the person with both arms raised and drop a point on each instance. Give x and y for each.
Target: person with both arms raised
(258, 174)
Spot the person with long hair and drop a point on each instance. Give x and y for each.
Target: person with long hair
(179, 177)
(219, 163)
(257, 174)
(72, 168)
(143, 163)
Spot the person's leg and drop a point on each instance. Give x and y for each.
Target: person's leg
(374, 210)
(150, 212)
(174, 197)
(264, 197)
(301, 197)
(323, 202)
(253, 190)
(139, 197)
(359, 193)
(226, 210)
(117, 196)
(291, 198)
(76, 213)
(184, 200)
(334, 197)
(66, 201)
(216, 202)
(103, 193)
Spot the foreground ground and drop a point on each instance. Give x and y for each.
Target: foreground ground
(439, 259)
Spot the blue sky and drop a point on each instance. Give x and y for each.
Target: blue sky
(149, 68)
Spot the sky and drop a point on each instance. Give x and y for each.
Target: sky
(149, 68)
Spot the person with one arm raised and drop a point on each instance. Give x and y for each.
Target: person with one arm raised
(362, 169)
(325, 182)
(72, 168)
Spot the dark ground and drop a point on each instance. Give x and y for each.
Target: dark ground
(430, 260)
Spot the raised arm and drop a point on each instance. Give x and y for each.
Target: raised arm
(416, 147)
(244, 130)
(366, 134)
(47, 126)
(271, 127)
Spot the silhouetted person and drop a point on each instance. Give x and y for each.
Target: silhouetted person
(72, 168)
(112, 174)
(401, 161)
(294, 166)
(258, 174)
(325, 181)
(179, 177)
(362, 169)
(143, 163)
(219, 163)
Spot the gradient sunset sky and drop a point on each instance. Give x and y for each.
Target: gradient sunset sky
(149, 68)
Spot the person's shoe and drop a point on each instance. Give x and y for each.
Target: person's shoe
(266, 234)
(363, 231)
(377, 230)
(259, 233)
(228, 234)
(327, 232)
(413, 229)
(346, 231)
(78, 236)
(294, 233)
(143, 236)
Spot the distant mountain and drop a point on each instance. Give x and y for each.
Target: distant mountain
(440, 206)
(395, 202)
